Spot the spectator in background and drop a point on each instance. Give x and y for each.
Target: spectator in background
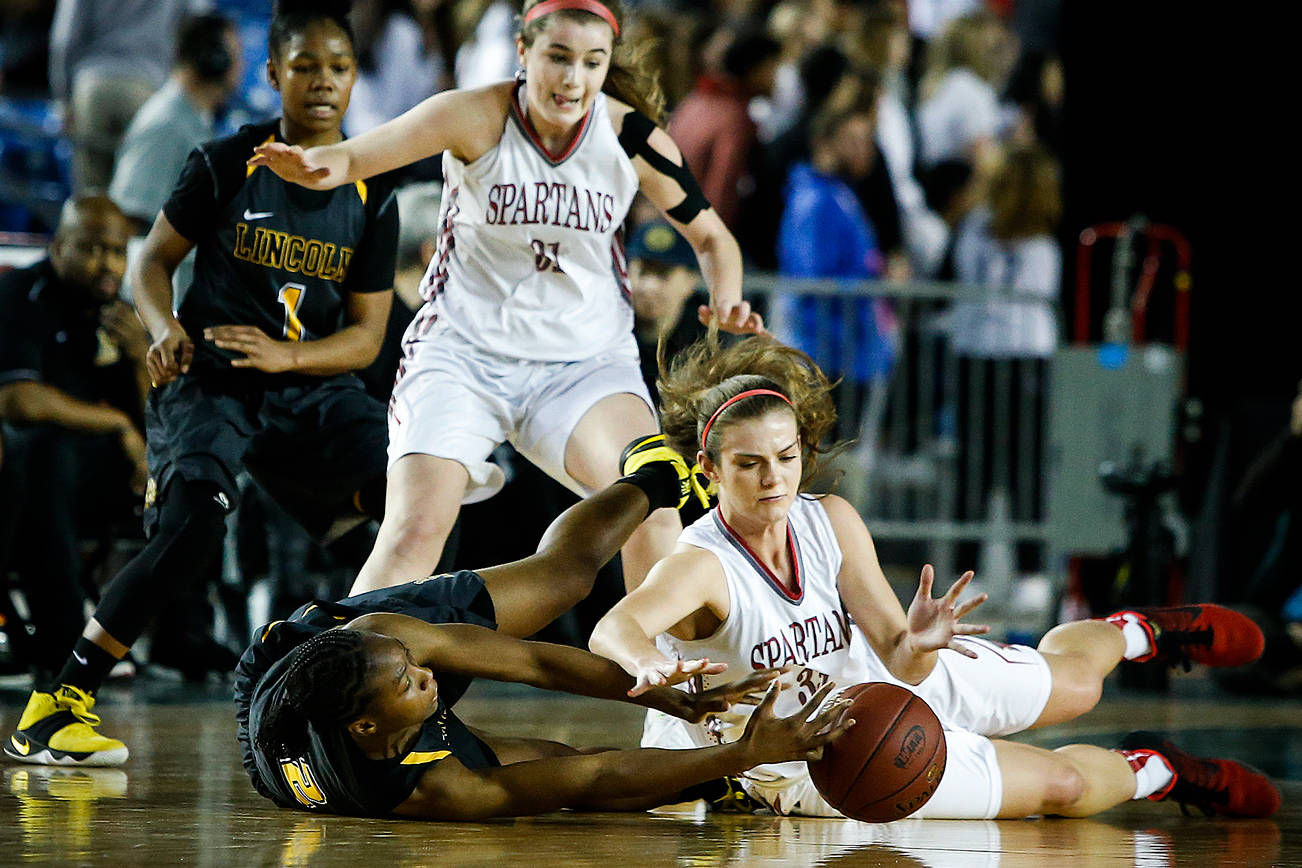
(882, 43)
(712, 124)
(825, 232)
(801, 27)
(1008, 245)
(487, 54)
(106, 58)
(395, 70)
(824, 81)
(959, 115)
(178, 118)
(663, 275)
(72, 387)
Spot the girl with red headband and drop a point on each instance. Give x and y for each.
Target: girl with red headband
(526, 333)
(777, 577)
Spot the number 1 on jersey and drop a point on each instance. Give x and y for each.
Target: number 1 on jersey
(291, 296)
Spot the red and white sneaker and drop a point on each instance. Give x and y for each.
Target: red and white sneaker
(1217, 787)
(1206, 633)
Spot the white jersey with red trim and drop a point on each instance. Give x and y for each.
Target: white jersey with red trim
(530, 260)
(769, 625)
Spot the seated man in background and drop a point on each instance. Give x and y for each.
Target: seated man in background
(72, 389)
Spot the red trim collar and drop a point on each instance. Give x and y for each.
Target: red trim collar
(799, 592)
(517, 106)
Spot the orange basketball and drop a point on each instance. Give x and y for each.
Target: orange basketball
(889, 763)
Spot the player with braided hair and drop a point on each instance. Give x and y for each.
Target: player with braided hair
(775, 576)
(347, 707)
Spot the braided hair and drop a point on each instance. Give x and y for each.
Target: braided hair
(703, 377)
(293, 16)
(325, 685)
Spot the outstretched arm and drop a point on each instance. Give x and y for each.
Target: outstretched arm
(450, 791)
(687, 583)
(465, 122)
(907, 644)
(471, 650)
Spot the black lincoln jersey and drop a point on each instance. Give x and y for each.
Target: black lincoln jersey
(271, 253)
(331, 774)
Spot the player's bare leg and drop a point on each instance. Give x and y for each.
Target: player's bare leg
(422, 499)
(1080, 655)
(530, 593)
(1073, 781)
(592, 457)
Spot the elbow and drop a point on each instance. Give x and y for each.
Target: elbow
(20, 403)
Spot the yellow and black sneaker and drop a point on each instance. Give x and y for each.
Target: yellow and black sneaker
(652, 449)
(726, 796)
(58, 729)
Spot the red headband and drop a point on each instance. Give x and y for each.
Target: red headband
(749, 393)
(547, 7)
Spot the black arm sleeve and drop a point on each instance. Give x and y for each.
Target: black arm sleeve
(635, 139)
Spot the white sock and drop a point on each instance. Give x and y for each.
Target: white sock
(1137, 642)
(1152, 771)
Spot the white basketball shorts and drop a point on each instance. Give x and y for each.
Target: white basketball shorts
(971, 788)
(456, 401)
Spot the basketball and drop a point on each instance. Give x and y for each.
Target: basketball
(889, 763)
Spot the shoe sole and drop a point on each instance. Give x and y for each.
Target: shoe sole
(47, 757)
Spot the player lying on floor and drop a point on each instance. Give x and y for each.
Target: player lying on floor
(347, 707)
(776, 576)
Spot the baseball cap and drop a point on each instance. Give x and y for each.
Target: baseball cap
(657, 241)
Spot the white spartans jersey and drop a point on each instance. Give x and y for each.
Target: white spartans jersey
(767, 626)
(530, 261)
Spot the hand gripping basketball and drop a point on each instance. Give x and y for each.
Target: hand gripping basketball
(648, 450)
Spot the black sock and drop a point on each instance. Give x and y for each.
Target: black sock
(659, 481)
(87, 667)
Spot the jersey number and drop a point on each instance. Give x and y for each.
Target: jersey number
(547, 256)
(809, 682)
(291, 296)
(298, 774)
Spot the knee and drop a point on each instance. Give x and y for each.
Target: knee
(193, 507)
(416, 535)
(1064, 786)
(1077, 690)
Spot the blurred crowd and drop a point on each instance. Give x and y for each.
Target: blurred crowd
(856, 139)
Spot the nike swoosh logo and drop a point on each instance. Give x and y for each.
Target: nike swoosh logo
(82, 660)
(20, 745)
(256, 215)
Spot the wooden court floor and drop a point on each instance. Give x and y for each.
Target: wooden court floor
(183, 799)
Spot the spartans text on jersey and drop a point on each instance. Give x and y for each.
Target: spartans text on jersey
(801, 641)
(292, 253)
(551, 203)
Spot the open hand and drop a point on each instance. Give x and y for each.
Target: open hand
(717, 700)
(934, 622)
(665, 673)
(292, 163)
(260, 351)
(773, 739)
